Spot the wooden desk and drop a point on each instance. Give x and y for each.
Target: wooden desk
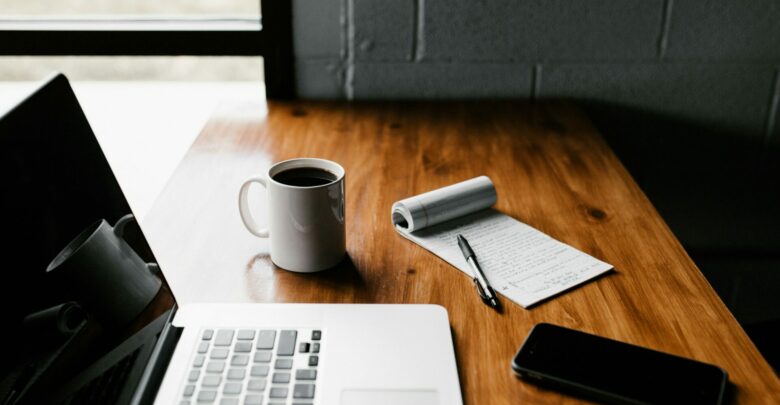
(552, 170)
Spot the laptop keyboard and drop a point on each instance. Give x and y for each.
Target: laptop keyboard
(254, 367)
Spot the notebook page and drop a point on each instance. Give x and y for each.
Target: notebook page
(522, 263)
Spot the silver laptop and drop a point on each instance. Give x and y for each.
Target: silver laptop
(194, 353)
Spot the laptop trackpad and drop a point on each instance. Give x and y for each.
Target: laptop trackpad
(389, 397)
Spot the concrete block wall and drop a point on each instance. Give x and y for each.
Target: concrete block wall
(710, 62)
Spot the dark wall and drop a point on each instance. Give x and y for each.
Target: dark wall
(713, 62)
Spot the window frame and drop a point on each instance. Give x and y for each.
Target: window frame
(270, 38)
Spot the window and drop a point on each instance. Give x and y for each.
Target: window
(80, 9)
(130, 28)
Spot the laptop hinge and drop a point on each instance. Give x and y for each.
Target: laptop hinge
(154, 372)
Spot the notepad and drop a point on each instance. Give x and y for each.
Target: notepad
(522, 263)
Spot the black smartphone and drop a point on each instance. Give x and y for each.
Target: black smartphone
(614, 372)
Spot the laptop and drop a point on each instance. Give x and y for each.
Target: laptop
(56, 181)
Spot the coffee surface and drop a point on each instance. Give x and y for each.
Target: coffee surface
(305, 177)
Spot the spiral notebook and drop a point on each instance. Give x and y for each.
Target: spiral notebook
(521, 263)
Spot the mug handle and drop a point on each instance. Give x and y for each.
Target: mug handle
(119, 227)
(243, 207)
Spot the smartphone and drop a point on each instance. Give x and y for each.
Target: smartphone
(614, 372)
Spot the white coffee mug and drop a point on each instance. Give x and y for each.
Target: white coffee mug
(306, 220)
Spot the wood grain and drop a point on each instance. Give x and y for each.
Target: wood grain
(552, 171)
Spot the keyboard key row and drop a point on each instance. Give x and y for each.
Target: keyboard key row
(265, 340)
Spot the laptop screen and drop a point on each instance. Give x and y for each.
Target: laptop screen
(56, 182)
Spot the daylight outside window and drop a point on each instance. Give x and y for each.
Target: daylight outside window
(200, 16)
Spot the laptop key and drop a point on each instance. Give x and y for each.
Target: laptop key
(283, 364)
(265, 339)
(194, 374)
(239, 360)
(256, 384)
(207, 334)
(242, 347)
(215, 367)
(316, 335)
(232, 389)
(281, 378)
(253, 400)
(313, 361)
(307, 374)
(211, 381)
(259, 371)
(262, 357)
(236, 374)
(286, 343)
(207, 396)
(219, 353)
(224, 337)
(203, 347)
(228, 401)
(245, 334)
(278, 392)
(189, 390)
(303, 347)
(198, 362)
(303, 391)
(315, 348)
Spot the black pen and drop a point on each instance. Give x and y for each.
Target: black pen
(484, 289)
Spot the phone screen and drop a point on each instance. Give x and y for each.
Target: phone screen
(615, 371)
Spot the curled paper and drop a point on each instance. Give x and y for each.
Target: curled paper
(443, 204)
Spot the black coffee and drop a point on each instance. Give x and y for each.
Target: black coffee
(305, 177)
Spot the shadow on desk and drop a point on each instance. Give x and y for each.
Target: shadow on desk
(718, 191)
(342, 283)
